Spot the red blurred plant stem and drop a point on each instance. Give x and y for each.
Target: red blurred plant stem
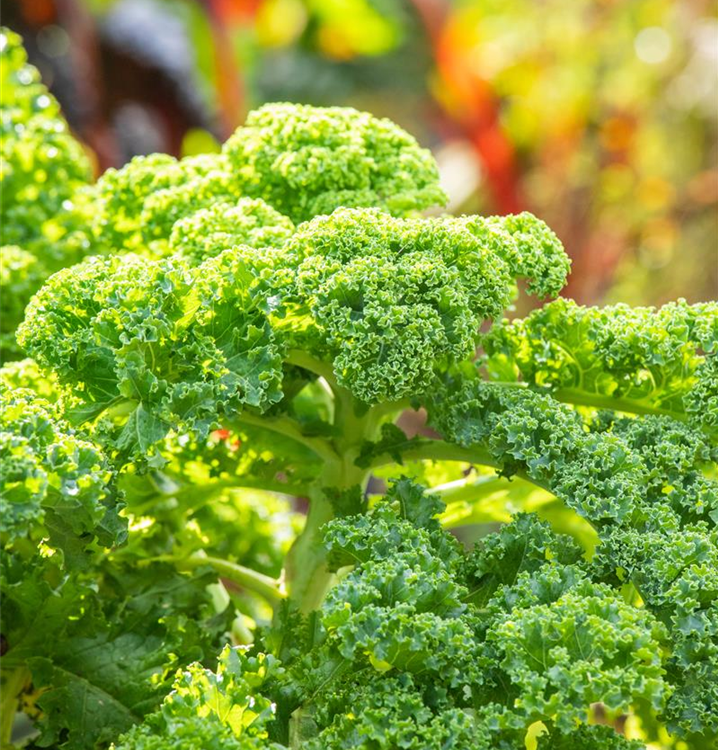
(478, 113)
(223, 17)
(79, 23)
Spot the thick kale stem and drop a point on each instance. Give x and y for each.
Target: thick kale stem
(214, 488)
(467, 488)
(307, 362)
(306, 573)
(578, 397)
(289, 428)
(269, 588)
(583, 398)
(438, 450)
(13, 682)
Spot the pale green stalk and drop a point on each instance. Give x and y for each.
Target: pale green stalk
(13, 682)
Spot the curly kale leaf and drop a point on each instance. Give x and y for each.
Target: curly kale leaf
(27, 375)
(57, 487)
(678, 460)
(390, 712)
(564, 650)
(21, 275)
(134, 208)
(222, 710)
(160, 206)
(701, 401)
(674, 569)
(305, 161)
(524, 545)
(403, 523)
(411, 611)
(161, 347)
(597, 475)
(395, 299)
(528, 246)
(638, 360)
(209, 231)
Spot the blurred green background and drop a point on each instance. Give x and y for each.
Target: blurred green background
(600, 116)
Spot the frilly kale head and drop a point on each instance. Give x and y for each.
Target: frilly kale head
(393, 300)
(307, 161)
(255, 321)
(383, 300)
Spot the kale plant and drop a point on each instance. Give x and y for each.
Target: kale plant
(254, 326)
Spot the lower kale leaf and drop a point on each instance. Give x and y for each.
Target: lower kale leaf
(417, 646)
